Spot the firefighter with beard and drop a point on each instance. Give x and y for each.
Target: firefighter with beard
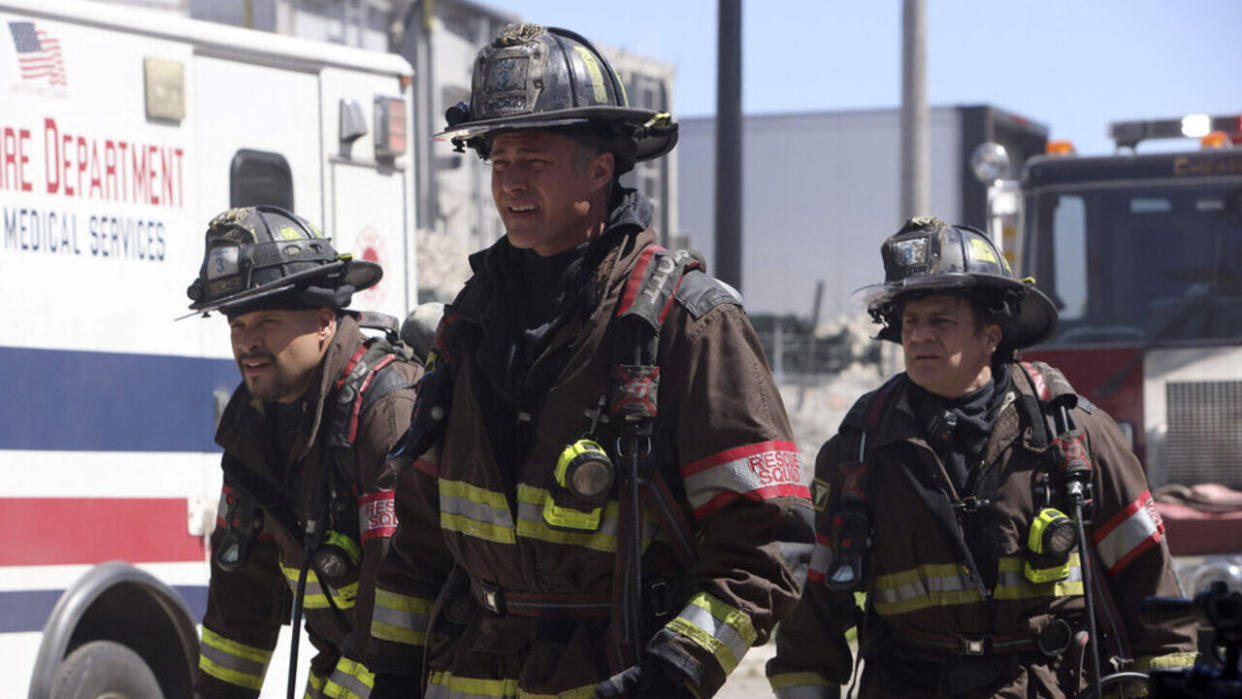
(950, 497)
(608, 501)
(307, 501)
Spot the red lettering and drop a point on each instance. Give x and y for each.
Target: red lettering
(51, 158)
(166, 159)
(110, 168)
(9, 148)
(96, 180)
(180, 180)
(138, 170)
(66, 143)
(153, 188)
(82, 162)
(124, 146)
(22, 158)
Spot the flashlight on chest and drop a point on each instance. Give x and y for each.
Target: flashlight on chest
(584, 475)
(1049, 542)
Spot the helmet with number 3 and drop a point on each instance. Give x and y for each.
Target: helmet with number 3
(267, 257)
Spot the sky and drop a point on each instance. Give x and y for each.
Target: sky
(1073, 66)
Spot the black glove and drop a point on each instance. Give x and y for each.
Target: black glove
(394, 686)
(650, 679)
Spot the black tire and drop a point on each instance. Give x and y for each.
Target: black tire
(105, 670)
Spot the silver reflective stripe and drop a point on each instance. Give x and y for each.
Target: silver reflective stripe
(232, 662)
(821, 558)
(401, 619)
(1015, 578)
(763, 469)
(478, 511)
(347, 682)
(717, 628)
(1130, 535)
(922, 587)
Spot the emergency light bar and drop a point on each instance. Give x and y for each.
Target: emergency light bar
(1128, 134)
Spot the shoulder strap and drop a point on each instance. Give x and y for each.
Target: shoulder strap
(699, 292)
(362, 382)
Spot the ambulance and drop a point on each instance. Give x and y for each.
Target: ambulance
(122, 132)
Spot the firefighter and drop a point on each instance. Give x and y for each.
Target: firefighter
(308, 489)
(608, 498)
(949, 498)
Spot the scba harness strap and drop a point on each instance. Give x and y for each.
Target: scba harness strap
(644, 305)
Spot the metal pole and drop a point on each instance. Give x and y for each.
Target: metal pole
(915, 129)
(728, 252)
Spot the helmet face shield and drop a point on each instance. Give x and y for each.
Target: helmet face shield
(928, 255)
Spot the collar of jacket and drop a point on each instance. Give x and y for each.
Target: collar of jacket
(901, 425)
(243, 427)
(631, 214)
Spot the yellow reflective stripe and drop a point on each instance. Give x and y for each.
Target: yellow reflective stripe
(241, 679)
(727, 613)
(474, 511)
(400, 618)
(237, 648)
(721, 629)
(1012, 584)
(786, 680)
(949, 584)
(1170, 660)
(532, 525)
(892, 581)
(397, 634)
(314, 597)
(473, 493)
(232, 661)
(444, 684)
(477, 529)
(402, 603)
(942, 584)
(314, 686)
(586, 692)
(350, 680)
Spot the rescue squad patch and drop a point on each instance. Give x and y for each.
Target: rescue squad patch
(377, 514)
(820, 490)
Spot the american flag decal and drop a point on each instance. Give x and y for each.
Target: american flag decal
(38, 54)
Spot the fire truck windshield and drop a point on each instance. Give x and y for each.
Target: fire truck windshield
(1140, 264)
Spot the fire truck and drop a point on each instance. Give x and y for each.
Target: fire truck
(1142, 254)
(122, 132)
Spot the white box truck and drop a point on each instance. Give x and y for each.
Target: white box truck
(122, 132)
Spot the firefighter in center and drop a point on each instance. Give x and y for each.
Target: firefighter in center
(307, 501)
(607, 499)
(950, 496)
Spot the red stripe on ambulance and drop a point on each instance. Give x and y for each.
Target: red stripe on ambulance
(66, 531)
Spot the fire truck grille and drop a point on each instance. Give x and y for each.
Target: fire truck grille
(1204, 442)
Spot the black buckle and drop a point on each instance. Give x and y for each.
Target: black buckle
(971, 504)
(659, 599)
(491, 597)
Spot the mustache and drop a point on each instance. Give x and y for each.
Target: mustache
(256, 355)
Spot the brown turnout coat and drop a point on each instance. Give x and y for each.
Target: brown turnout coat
(247, 606)
(723, 444)
(925, 596)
